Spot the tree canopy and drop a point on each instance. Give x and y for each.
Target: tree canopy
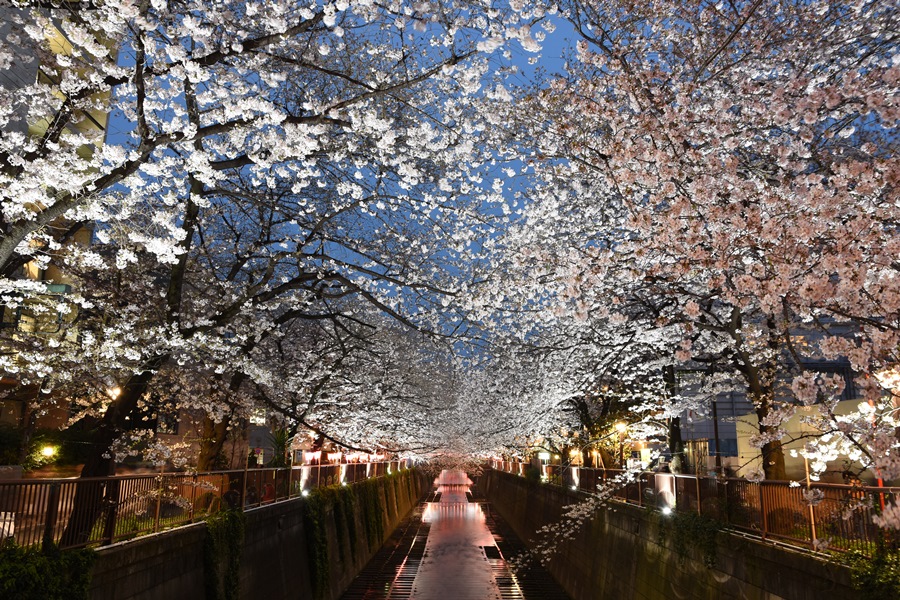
(406, 226)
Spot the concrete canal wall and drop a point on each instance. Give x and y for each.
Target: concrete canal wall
(627, 553)
(307, 548)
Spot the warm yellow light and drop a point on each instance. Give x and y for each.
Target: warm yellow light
(114, 392)
(621, 426)
(48, 451)
(889, 378)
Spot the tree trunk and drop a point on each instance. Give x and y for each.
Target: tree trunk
(676, 445)
(212, 441)
(772, 452)
(29, 420)
(214, 435)
(673, 436)
(92, 498)
(760, 378)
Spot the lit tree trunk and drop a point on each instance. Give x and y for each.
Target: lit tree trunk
(772, 452)
(92, 496)
(212, 441)
(29, 420)
(759, 380)
(214, 435)
(673, 435)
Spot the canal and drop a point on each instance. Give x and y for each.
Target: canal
(453, 547)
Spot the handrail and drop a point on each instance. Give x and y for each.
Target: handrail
(815, 515)
(120, 507)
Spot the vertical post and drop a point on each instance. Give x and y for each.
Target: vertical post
(159, 493)
(244, 486)
(52, 515)
(812, 515)
(762, 510)
(193, 496)
(112, 509)
(715, 416)
(697, 481)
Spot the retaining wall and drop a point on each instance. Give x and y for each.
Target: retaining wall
(622, 554)
(275, 560)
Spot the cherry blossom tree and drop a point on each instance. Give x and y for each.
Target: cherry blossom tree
(269, 163)
(738, 160)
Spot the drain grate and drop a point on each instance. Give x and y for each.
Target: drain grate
(535, 583)
(391, 572)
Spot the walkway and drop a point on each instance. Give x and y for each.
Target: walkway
(451, 548)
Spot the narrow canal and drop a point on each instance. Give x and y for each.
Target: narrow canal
(452, 547)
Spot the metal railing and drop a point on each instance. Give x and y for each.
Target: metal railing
(822, 515)
(39, 511)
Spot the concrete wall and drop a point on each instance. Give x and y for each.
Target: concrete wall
(274, 561)
(618, 554)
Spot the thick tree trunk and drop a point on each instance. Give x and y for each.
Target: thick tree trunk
(212, 441)
(94, 498)
(673, 435)
(760, 376)
(772, 452)
(214, 435)
(676, 445)
(29, 421)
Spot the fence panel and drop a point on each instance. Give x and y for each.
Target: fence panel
(825, 515)
(119, 508)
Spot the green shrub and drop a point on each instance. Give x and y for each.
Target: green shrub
(222, 554)
(32, 574)
(690, 530)
(876, 577)
(316, 540)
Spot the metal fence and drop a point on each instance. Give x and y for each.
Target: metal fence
(822, 515)
(40, 511)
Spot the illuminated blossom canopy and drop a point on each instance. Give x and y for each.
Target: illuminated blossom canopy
(380, 222)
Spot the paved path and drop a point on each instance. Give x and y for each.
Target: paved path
(448, 551)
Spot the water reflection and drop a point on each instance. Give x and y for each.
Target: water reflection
(455, 565)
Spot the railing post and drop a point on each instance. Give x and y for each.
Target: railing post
(762, 510)
(244, 486)
(812, 526)
(697, 480)
(193, 497)
(52, 515)
(812, 517)
(112, 510)
(159, 493)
